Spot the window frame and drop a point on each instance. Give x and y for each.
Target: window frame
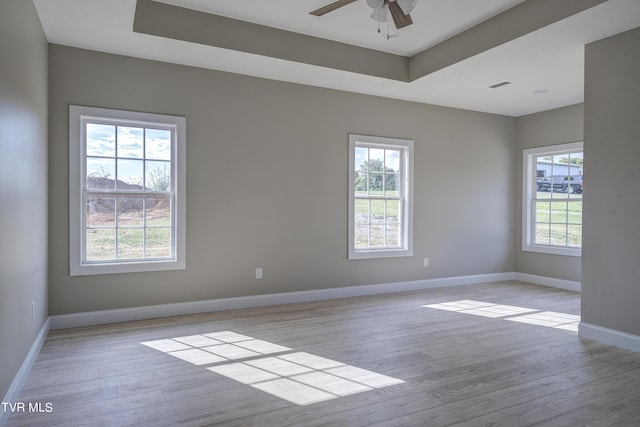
(529, 189)
(406, 196)
(78, 117)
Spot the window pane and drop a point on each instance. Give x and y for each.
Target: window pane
(574, 186)
(130, 142)
(158, 144)
(558, 234)
(577, 159)
(361, 158)
(101, 244)
(543, 166)
(158, 242)
(377, 211)
(392, 236)
(130, 211)
(130, 243)
(392, 160)
(101, 140)
(360, 184)
(392, 211)
(376, 236)
(543, 210)
(376, 157)
(558, 212)
(101, 212)
(574, 236)
(559, 163)
(376, 168)
(361, 237)
(158, 176)
(558, 189)
(158, 211)
(101, 174)
(375, 183)
(543, 170)
(542, 236)
(574, 213)
(361, 212)
(391, 184)
(130, 173)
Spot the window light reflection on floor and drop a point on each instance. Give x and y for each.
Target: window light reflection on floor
(531, 316)
(550, 319)
(298, 377)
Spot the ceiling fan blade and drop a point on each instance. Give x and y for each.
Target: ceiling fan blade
(380, 14)
(399, 18)
(407, 5)
(331, 7)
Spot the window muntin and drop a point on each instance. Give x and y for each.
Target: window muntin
(380, 197)
(552, 199)
(127, 175)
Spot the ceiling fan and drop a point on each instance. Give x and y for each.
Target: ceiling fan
(399, 10)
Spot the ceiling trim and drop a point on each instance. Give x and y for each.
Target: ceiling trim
(509, 25)
(174, 22)
(169, 21)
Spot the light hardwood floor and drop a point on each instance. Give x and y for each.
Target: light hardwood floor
(458, 369)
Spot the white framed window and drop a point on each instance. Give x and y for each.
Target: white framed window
(380, 197)
(552, 199)
(126, 191)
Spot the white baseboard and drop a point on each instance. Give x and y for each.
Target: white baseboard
(23, 373)
(101, 317)
(568, 285)
(609, 336)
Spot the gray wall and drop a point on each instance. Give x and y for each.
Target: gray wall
(537, 130)
(23, 183)
(611, 254)
(267, 183)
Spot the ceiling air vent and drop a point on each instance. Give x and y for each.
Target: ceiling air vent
(497, 85)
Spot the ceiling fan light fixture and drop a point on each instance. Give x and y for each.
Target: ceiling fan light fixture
(389, 35)
(398, 9)
(380, 14)
(407, 5)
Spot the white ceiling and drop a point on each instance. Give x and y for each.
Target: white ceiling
(544, 66)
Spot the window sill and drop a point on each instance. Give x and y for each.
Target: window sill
(129, 267)
(553, 250)
(394, 253)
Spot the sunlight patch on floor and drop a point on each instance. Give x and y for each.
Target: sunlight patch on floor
(298, 377)
(531, 316)
(550, 319)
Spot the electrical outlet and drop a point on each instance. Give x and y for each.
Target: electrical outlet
(426, 262)
(259, 273)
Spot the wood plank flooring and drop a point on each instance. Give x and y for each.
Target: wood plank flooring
(458, 369)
